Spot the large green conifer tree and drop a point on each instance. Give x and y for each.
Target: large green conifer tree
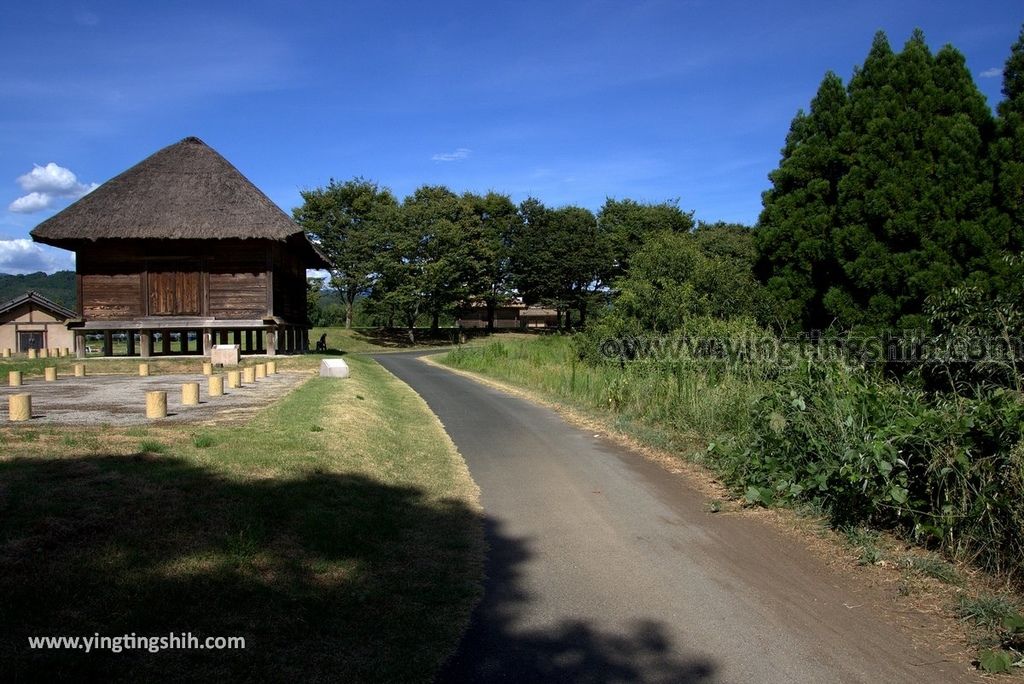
(794, 239)
(913, 213)
(1008, 150)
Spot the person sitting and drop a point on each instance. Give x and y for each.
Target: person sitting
(321, 344)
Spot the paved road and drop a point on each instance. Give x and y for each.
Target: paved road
(603, 567)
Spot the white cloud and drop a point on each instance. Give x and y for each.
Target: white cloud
(44, 184)
(33, 201)
(991, 73)
(51, 178)
(24, 256)
(458, 155)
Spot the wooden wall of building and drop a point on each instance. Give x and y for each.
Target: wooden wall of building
(238, 278)
(221, 279)
(109, 283)
(289, 286)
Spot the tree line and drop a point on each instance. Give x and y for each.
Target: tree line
(892, 191)
(437, 251)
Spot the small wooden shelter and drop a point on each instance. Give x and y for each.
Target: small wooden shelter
(32, 321)
(182, 246)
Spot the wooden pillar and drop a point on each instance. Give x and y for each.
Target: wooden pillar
(145, 343)
(248, 341)
(108, 343)
(165, 342)
(271, 341)
(207, 342)
(80, 345)
(131, 343)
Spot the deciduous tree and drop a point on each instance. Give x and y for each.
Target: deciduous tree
(346, 220)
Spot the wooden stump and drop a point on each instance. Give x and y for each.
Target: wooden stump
(50, 374)
(19, 407)
(79, 370)
(261, 370)
(234, 379)
(190, 394)
(14, 378)
(271, 367)
(32, 353)
(216, 386)
(7, 353)
(248, 375)
(143, 370)
(207, 368)
(156, 404)
(42, 354)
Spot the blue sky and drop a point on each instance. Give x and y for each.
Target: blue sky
(570, 102)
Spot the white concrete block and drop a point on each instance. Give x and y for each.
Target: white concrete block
(224, 355)
(333, 368)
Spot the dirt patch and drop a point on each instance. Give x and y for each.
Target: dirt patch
(121, 399)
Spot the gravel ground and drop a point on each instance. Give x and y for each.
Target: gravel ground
(121, 399)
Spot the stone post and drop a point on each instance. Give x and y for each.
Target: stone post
(19, 407)
(156, 404)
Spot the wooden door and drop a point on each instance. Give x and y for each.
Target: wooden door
(173, 290)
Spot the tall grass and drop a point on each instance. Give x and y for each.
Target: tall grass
(683, 402)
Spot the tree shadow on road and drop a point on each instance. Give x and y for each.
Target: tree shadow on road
(571, 650)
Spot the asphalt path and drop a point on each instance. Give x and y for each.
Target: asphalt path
(604, 567)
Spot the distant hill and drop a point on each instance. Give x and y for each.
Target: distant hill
(60, 287)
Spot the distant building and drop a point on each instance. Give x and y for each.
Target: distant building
(538, 317)
(508, 316)
(183, 247)
(32, 321)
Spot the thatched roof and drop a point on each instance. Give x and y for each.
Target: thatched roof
(185, 191)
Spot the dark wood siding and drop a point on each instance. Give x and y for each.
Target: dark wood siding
(238, 280)
(111, 284)
(289, 286)
(220, 279)
(173, 289)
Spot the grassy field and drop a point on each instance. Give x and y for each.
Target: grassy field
(673, 408)
(339, 533)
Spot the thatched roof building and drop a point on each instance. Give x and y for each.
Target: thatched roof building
(182, 242)
(185, 191)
